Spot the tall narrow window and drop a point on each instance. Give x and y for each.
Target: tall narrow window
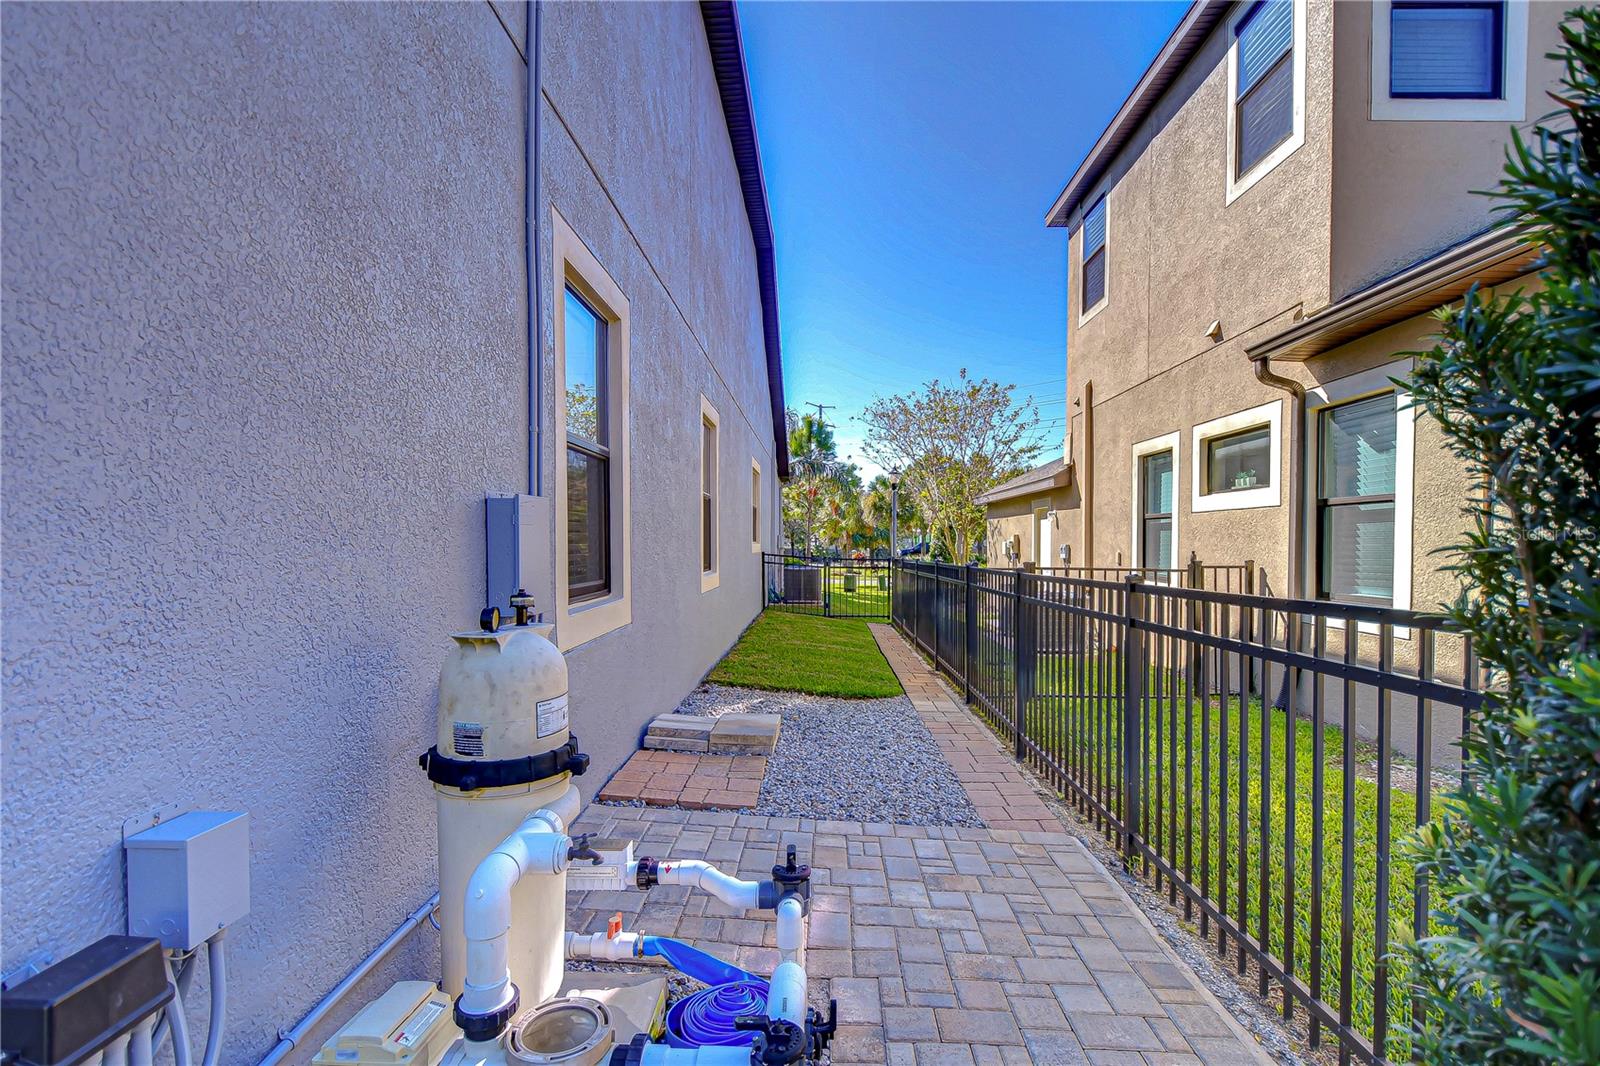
(708, 495)
(755, 506)
(1355, 501)
(1155, 534)
(1094, 256)
(588, 452)
(1264, 92)
(1446, 51)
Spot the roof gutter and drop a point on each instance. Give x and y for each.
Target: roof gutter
(726, 45)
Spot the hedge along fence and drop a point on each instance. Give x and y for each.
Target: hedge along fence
(1243, 754)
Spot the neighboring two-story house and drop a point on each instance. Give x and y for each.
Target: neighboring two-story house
(1256, 240)
(274, 427)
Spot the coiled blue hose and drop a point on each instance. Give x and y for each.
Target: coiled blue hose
(705, 1019)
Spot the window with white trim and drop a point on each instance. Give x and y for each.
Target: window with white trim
(1092, 291)
(755, 506)
(708, 496)
(589, 390)
(1266, 89)
(1355, 502)
(588, 453)
(1237, 459)
(1156, 476)
(1449, 60)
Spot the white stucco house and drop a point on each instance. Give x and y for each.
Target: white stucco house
(276, 423)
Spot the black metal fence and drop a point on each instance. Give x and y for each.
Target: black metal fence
(833, 588)
(1256, 758)
(1231, 577)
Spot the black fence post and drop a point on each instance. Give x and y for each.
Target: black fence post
(1133, 681)
(1022, 660)
(972, 637)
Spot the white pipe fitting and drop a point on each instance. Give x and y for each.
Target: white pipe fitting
(619, 948)
(665, 1055)
(697, 873)
(537, 846)
(786, 996)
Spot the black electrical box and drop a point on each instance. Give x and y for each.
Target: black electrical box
(82, 1003)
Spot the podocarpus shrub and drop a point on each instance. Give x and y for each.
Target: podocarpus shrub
(1514, 862)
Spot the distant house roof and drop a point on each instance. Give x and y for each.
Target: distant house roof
(1196, 24)
(1489, 258)
(721, 20)
(1055, 474)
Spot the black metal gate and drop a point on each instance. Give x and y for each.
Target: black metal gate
(830, 588)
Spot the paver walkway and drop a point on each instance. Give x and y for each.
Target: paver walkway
(943, 944)
(999, 789)
(703, 782)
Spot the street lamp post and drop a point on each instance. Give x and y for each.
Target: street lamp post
(894, 513)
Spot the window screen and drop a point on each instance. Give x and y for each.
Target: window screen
(588, 457)
(1155, 540)
(1355, 501)
(1094, 254)
(1264, 96)
(1446, 51)
(1239, 461)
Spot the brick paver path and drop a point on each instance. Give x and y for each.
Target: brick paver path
(998, 787)
(702, 782)
(941, 944)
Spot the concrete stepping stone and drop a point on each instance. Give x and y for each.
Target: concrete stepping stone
(739, 734)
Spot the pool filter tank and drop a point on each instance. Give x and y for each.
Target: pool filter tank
(502, 774)
(504, 752)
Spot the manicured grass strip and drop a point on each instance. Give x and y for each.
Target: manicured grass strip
(803, 653)
(848, 594)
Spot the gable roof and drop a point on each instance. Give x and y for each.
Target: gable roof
(1191, 32)
(721, 20)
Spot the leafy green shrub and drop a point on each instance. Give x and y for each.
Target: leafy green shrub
(1515, 865)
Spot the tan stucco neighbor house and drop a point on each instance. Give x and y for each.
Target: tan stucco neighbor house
(324, 325)
(1255, 242)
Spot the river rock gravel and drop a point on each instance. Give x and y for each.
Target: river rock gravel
(849, 760)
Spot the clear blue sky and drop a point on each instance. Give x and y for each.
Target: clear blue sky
(911, 150)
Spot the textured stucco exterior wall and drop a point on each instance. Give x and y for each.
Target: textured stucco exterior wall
(1019, 517)
(264, 353)
(1403, 190)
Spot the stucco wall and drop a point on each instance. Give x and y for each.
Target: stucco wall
(1019, 517)
(1402, 190)
(264, 353)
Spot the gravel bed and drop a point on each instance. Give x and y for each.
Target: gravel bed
(851, 760)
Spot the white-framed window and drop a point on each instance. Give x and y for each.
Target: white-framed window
(1361, 436)
(755, 505)
(710, 549)
(1236, 460)
(1438, 60)
(1266, 89)
(1155, 503)
(1093, 278)
(593, 579)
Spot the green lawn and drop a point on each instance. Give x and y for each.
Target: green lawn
(805, 653)
(850, 593)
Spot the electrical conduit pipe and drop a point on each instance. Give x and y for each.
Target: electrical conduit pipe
(538, 846)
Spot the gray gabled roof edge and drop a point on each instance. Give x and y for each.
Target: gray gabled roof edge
(721, 20)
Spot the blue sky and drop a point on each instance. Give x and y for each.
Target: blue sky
(911, 150)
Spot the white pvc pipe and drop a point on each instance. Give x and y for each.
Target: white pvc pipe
(179, 1023)
(142, 1047)
(217, 964)
(664, 1055)
(791, 930)
(116, 1052)
(697, 873)
(537, 846)
(787, 996)
(619, 948)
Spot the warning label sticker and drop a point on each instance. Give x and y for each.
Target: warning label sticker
(552, 715)
(416, 1027)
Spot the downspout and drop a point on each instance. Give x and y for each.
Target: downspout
(1297, 473)
(531, 174)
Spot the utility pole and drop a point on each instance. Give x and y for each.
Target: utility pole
(821, 407)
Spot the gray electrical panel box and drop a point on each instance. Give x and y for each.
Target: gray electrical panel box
(189, 877)
(516, 541)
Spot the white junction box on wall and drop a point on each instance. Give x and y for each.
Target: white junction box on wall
(517, 550)
(189, 877)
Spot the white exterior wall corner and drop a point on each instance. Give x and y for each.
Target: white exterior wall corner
(264, 353)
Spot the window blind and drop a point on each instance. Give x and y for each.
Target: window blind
(1264, 36)
(1445, 51)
